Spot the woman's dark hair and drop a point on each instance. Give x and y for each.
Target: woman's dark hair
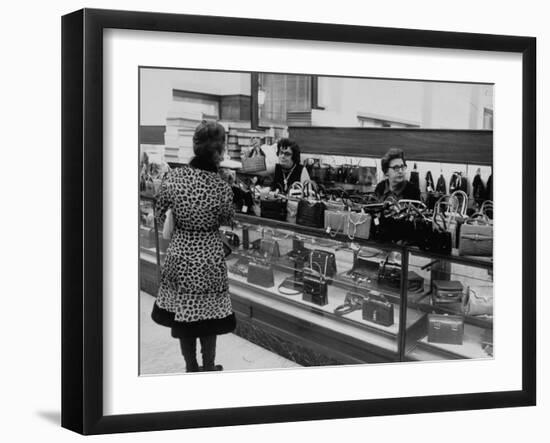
(208, 145)
(392, 154)
(288, 143)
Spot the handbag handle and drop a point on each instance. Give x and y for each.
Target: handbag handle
(462, 202)
(329, 227)
(310, 185)
(296, 292)
(479, 219)
(296, 186)
(322, 274)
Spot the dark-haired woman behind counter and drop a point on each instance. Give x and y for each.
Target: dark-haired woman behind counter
(288, 169)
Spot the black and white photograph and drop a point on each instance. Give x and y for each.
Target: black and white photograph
(291, 221)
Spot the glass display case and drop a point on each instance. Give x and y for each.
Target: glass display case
(355, 301)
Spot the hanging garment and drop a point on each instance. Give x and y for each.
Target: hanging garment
(430, 187)
(489, 190)
(478, 188)
(458, 183)
(414, 177)
(441, 185)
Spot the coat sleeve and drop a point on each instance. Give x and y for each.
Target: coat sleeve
(163, 202)
(227, 210)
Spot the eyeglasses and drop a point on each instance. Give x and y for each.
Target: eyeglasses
(285, 154)
(398, 168)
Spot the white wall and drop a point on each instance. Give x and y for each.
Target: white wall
(30, 326)
(427, 104)
(157, 85)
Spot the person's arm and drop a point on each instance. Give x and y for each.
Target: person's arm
(163, 201)
(227, 209)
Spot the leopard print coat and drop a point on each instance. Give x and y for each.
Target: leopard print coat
(193, 297)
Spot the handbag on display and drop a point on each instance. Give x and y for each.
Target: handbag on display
(240, 267)
(273, 207)
(168, 227)
(447, 291)
(260, 274)
(336, 222)
(311, 212)
(358, 225)
(290, 286)
(253, 161)
(326, 260)
(295, 193)
(378, 310)
(315, 284)
(365, 263)
(446, 329)
(476, 237)
(389, 273)
(478, 301)
(352, 302)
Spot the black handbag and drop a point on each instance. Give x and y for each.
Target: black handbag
(260, 274)
(326, 260)
(365, 264)
(378, 310)
(389, 274)
(447, 329)
(274, 208)
(311, 213)
(315, 284)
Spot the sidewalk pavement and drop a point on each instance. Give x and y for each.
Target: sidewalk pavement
(160, 353)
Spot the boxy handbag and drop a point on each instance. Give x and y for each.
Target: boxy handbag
(446, 329)
(274, 207)
(447, 291)
(326, 260)
(315, 284)
(260, 274)
(253, 161)
(476, 237)
(311, 210)
(358, 225)
(478, 301)
(378, 310)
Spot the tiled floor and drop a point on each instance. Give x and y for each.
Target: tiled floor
(160, 353)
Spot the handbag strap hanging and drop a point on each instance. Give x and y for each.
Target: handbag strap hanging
(290, 292)
(322, 274)
(329, 229)
(363, 218)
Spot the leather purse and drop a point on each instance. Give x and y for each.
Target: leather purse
(310, 213)
(352, 302)
(478, 301)
(365, 264)
(274, 208)
(358, 225)
(311, 210)
(325, 260)
(378, 310)
(254, 161)
(447, 291)
(260, 274)
(336, 222)
(447, 329)
(240, 267)
(315, 284)
(389, 274)
(476, 237)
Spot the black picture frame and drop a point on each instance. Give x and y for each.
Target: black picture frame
(82, 216)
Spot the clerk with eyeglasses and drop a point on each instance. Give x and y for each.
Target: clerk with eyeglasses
(288, 169)
(396, 184)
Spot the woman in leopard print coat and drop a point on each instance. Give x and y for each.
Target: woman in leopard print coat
(193, 298)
